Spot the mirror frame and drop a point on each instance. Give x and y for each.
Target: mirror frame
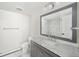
(74, 22)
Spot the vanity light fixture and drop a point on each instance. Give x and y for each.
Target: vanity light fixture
(75, 28)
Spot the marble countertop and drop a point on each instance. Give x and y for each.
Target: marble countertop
(61, 48)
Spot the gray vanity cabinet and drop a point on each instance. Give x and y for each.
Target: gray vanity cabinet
(39, 51)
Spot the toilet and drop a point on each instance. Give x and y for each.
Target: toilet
(26, 48)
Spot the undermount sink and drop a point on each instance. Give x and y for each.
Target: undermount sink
(51, 43)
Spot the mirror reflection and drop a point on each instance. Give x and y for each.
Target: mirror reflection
(58, 24)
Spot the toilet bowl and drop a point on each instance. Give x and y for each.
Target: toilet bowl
(26, 48)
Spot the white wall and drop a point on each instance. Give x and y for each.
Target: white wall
(14, 29)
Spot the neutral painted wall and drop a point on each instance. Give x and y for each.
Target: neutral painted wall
(14, 30)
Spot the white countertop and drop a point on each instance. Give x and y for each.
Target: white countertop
(61, 48)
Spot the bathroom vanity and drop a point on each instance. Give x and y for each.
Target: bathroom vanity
(42, 47)
(40, 51)
(58, 33)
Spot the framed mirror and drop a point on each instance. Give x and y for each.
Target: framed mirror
(59, 23)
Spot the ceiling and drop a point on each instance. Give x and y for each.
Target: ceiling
(27, 7)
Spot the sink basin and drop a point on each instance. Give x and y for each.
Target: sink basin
(50, 43)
